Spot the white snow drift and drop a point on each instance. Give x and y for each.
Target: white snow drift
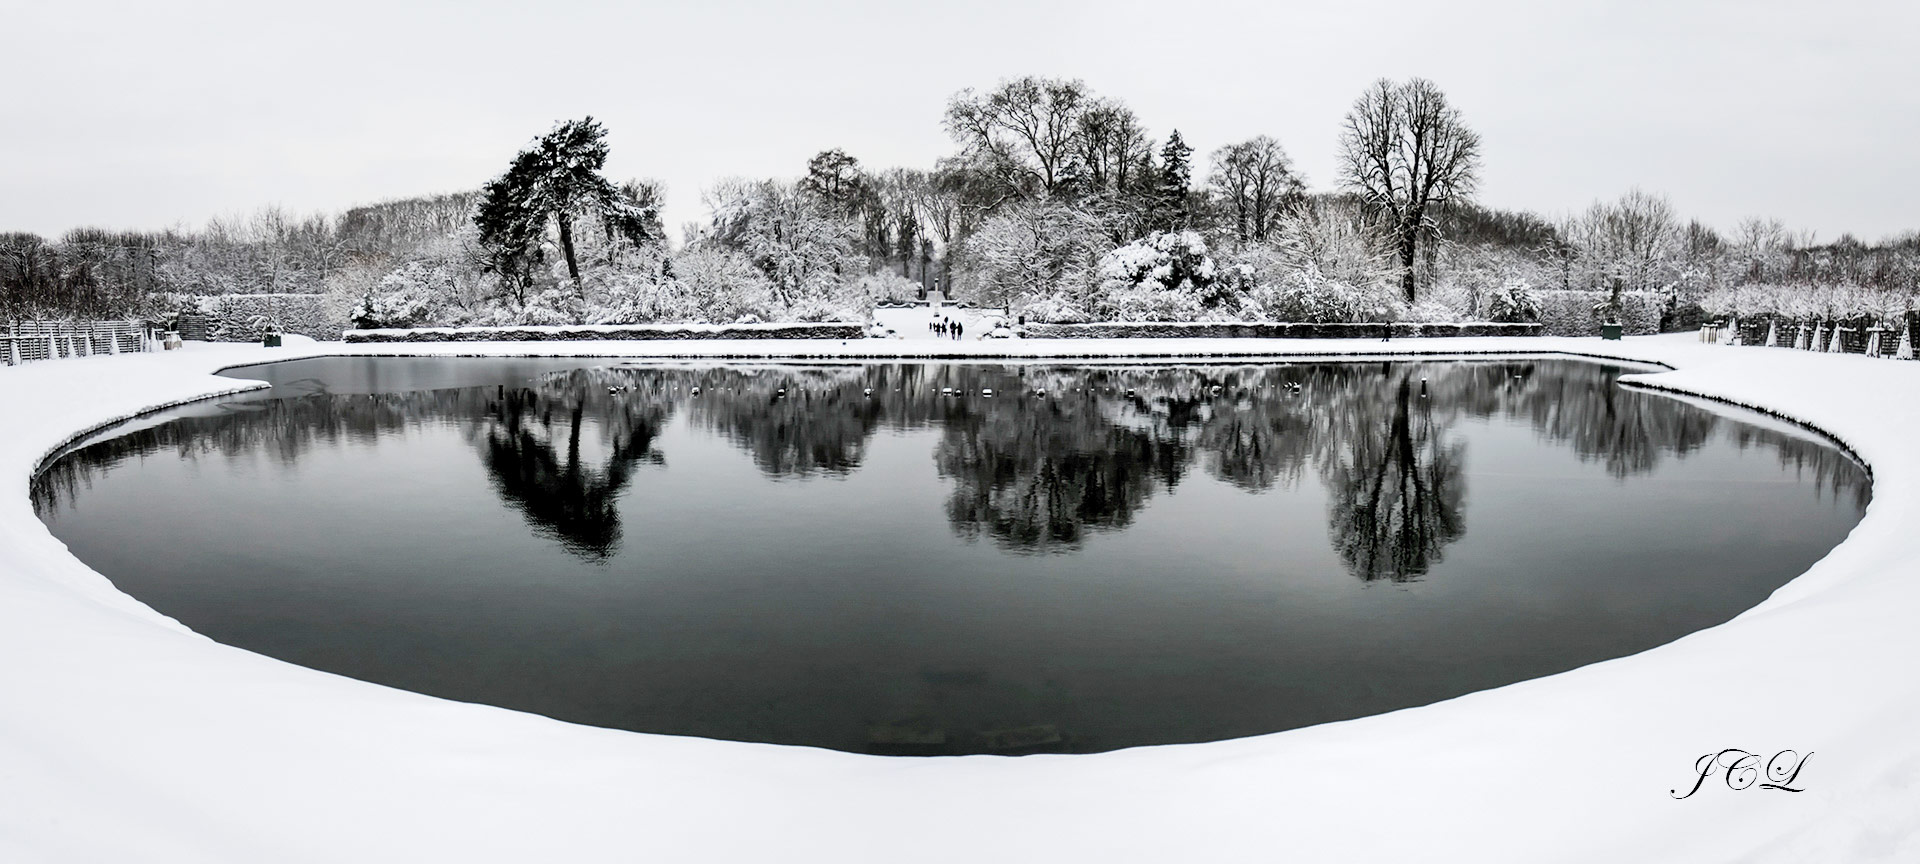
(125, 737)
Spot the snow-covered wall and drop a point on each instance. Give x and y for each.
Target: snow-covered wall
(611, 332)
(1268, 330)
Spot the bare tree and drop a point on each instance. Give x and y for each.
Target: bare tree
(1032, 250)
(1408, 154)
(789, 234)
(1760, 248)
(1113, 148)
(1628, 245)
(1025, 133)
(901, 191)
(1254, 180)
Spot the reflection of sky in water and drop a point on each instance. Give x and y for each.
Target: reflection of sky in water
(1225, 550)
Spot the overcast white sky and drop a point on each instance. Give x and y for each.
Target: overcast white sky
(143, 114)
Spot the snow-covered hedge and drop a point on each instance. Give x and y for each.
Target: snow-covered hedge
(1269, 330)
(1310, 296)
(840, 330)
(1570, 313)
(233, 317)
(1807, 302)
(411, 296)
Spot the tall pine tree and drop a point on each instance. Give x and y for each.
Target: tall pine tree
(1176, 183)
(558, 179)
(510, 227)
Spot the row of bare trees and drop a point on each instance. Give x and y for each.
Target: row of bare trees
(95, 273)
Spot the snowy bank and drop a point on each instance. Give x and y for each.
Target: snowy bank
(125, 737)
(593, 332)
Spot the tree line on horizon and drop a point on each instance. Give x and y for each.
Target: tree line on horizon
(1056, 203)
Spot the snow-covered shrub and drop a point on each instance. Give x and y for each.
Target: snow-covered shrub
(723, 286)
(1306, 295)
(814, 309)
(1576, 313)
(1491, 283)
(1169, 276)
(550, 307)
(1137, 303)
(1054, 308)
(1164, 260)
(1432, 311)
(412, 296)
(1284, 280)
(633, 298)
(1726, 301)
(1446, 301)
(1512, 302)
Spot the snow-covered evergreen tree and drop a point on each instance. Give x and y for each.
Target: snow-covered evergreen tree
(1166, 276)
(1176, 183)
(557, 181)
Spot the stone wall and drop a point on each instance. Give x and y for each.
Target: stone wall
(1267, 330)
(611, 332)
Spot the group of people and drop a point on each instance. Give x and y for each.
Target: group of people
(947, 327)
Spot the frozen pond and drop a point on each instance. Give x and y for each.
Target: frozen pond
(848, 556)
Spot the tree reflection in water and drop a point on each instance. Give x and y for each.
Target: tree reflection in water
(1055, 455)
(1393, 480)
(797, 422)
(1037, 477)
(563, 494)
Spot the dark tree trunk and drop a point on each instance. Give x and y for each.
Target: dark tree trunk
(566, 247)
(1407, 256)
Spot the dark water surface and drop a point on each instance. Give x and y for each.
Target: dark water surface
(1092, 557)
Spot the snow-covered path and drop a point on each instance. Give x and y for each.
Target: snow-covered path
(911, 322)
(124, 737)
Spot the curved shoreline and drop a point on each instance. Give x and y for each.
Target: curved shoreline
(242, 754)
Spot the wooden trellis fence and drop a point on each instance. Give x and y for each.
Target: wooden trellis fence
(1863, 335)
(28, 341)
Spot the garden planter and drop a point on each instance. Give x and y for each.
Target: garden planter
(1610, 331)
(272, 340)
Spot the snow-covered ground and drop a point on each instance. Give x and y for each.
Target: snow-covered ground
(125, 737)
